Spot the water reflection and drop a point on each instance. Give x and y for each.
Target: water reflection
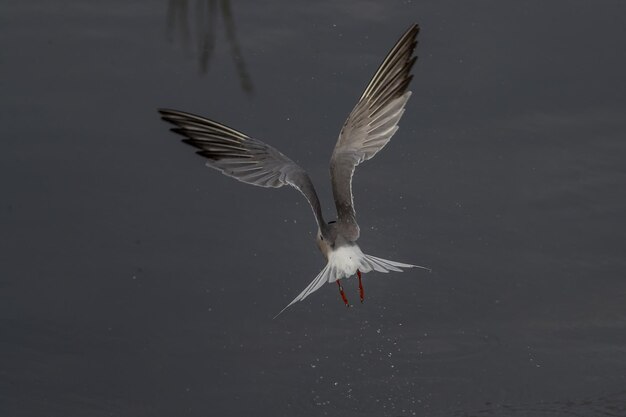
(205, 15)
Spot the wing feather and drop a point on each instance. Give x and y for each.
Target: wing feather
(241, 157)
(371, 124)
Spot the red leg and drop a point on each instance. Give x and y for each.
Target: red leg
(343, 295)
(361, 292)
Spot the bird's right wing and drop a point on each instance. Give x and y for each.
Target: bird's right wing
(371, 124)
(241, 157)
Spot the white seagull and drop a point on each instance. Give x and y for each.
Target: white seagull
(369, 127)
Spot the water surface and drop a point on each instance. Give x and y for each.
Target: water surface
(136, 282)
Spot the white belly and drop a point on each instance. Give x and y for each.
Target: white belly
(344, 262)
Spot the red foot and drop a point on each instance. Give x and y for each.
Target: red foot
(343, 295)
(361, 292)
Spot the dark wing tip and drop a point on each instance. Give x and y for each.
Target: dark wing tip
(410, 34)
(170, 116)
(414, 29)
(397, 65)
(167, 114)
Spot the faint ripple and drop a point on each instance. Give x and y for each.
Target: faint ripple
(613, 405)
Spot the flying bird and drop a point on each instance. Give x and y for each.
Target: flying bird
(369, 127)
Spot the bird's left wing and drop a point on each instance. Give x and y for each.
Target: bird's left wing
(241, 157)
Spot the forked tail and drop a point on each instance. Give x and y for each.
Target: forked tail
(334, 271)
(385, 265)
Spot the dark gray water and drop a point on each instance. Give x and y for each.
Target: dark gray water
(137, 282)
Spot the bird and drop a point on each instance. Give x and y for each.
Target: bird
(368, 128)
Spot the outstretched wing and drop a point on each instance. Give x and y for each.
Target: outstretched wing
(371, 124)
(244, 158)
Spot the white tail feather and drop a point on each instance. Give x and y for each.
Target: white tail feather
(344, 263)
(315, 285)
(384, 265)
